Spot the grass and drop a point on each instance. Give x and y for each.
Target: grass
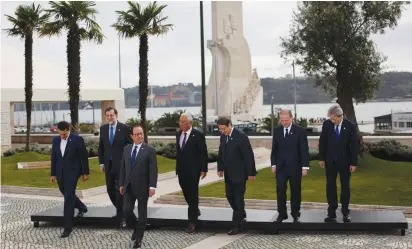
(41, 177)
(375, 182)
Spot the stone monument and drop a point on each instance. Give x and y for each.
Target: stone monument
(233, 89)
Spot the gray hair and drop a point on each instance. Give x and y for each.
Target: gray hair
(286, 111)
(188, 116)
(335, 110)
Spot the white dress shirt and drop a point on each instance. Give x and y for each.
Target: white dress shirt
(182, 136)
(137, 152)
(63, 144)
(284, 134)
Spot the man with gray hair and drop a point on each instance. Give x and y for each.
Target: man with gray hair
(191, 165)
(338, 151)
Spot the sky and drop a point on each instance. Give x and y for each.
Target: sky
(174, 57)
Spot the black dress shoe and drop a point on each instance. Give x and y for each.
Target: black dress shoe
(330, 219)
(138, 243)
(234, 231)
(81, 213)
(281, 218)
(346, 218)
(133, 235)
(66, 232)
(296, 219)
(191, 228)
(123, 223)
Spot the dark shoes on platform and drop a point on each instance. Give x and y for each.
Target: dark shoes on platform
(66, 233)
(237, 229)
(81, 213)
(281, 218)
(331, 219)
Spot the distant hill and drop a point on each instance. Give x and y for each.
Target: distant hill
(395, 85)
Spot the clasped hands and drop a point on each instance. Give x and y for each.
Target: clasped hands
(351, 167)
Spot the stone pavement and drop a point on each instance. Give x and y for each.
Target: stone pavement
(18, 232)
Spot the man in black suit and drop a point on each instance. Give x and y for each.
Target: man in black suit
(191, 165)
(290, 161)
(237, 164)
(114, 136)
(69, 161)
(138, 180)
(338, 150)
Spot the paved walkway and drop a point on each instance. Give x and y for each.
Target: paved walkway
(18, 232)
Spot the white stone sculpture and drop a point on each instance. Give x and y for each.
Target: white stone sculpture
(238, 89)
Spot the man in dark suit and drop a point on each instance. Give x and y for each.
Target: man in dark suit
(237, 164)
(69, 161)
(114, 136)
(290, 161)
(191, 165)
(138, 180)
(338, 151)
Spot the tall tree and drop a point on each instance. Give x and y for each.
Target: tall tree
(78, 19)
(331, 41)
(142, 22)
(28, 20)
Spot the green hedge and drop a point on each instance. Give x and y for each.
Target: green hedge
(390, 150)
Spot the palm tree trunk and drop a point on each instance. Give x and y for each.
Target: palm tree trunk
(73, 75)
(28, 88)
(143, 80)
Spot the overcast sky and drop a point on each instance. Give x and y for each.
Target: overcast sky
(174, 57)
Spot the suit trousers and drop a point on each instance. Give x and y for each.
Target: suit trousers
(190, 187)
(67, 187)
(112, 185)
(332, 169)
(235, 195)
(295, 181)
(128, 207)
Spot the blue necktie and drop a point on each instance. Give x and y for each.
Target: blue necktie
(337, 132)
(111, 136)
(133, 159)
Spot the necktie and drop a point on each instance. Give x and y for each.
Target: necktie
(337, 132)
(184, 141)
(111, 136)
(286, 133)
(133, 159)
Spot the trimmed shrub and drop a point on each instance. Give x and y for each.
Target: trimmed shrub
(390, 150)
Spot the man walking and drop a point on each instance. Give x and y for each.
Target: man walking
(237, 164)
(138, 180)
(114, 136)
(338, 150)
(69, 161)
(290, 161)
(191, 165)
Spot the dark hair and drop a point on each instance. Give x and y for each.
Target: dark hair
(63, 126)
(134, 126)
(224, 121)
(108, 109)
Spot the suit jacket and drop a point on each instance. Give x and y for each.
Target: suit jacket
(143, 174)
(236, 157)
(115, 150)
(346, 148)
(292, 153)
(75, 161)
(192, 159)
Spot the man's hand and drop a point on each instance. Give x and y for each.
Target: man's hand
(273, 170)
(220, 173)
(102, 167)
(85, 177)
(251, 178)
(121, 189)
(304, 172)
(152, 192)
(322, 164)
(352, 169)
(203, 175)
(52, 179)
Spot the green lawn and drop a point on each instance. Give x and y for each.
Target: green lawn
(375, 182)
(41, 177)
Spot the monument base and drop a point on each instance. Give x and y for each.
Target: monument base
(218, 218)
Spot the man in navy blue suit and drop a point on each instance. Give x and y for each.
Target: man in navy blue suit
(290, 161)
(69, 161)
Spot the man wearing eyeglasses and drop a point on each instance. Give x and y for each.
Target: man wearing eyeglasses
(69, 161)
(237, 164)
(138, 180)
(114, 136)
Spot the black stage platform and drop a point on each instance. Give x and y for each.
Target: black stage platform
(221, 218)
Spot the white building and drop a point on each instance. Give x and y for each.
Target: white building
(395, 122)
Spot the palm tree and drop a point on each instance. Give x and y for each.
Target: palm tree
(78, 19)
(29, 19)
(142, 22)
